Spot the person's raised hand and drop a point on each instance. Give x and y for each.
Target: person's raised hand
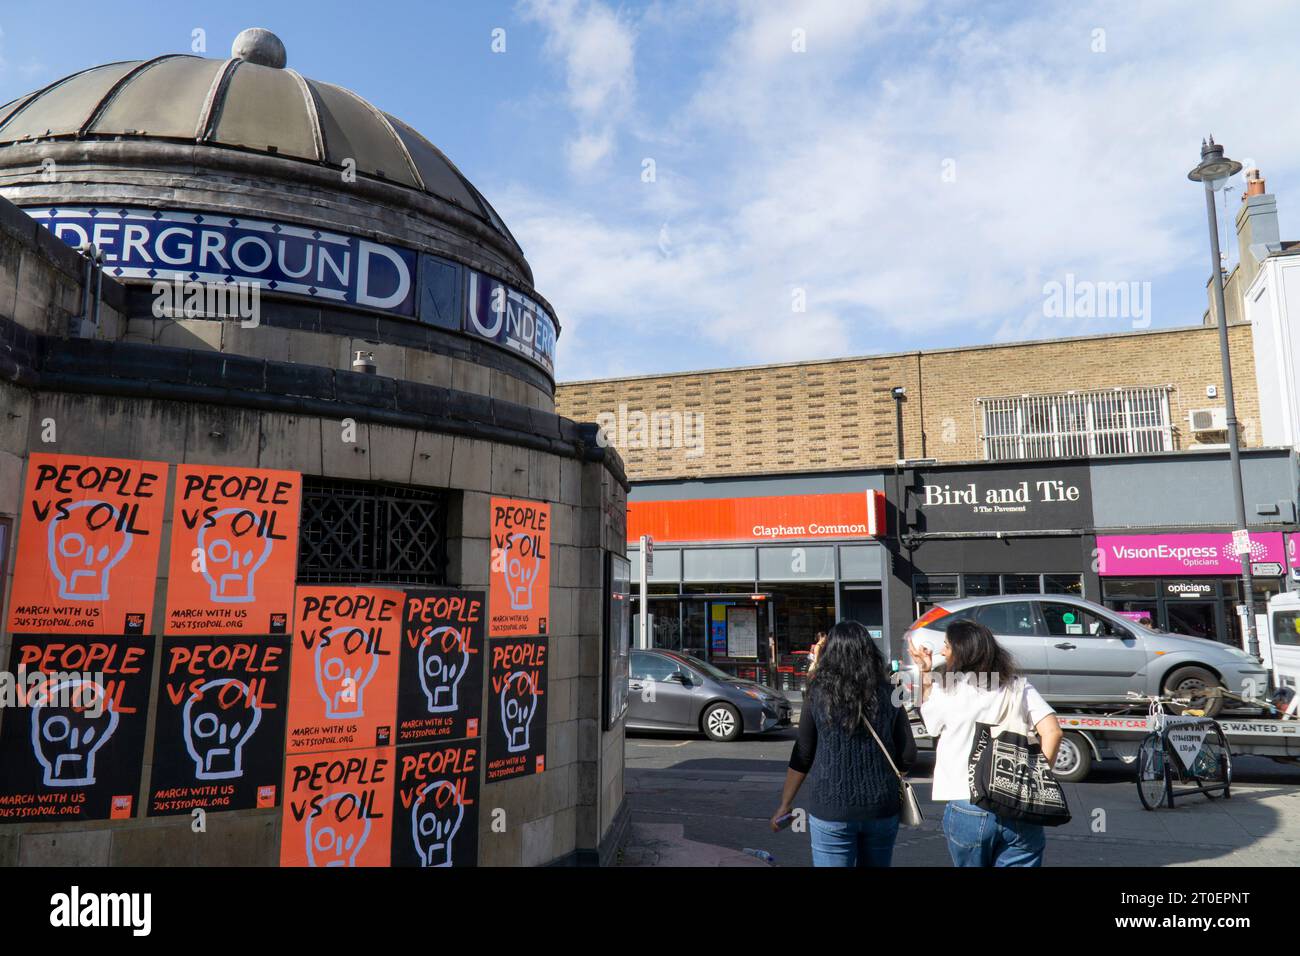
(923, 657)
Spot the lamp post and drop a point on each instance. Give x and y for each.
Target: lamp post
(1214, 171)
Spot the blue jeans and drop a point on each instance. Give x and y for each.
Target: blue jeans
(979, 838)
(853, 843)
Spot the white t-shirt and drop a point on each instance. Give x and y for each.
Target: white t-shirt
(956, 704)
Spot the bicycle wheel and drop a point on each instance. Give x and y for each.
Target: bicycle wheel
(1153, 772)
(1213, 765)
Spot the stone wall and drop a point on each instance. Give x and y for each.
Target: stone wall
(110, 404)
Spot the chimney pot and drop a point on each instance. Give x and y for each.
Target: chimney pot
(1255, 185)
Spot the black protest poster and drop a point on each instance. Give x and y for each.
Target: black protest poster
(440, 683)
(435, 804)
(516, 741)
(73, 748)
(219, 734)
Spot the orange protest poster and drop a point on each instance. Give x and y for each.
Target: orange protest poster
(234, 553)
(338, 809)
(520, 568)
(343, 672)
(88, 541)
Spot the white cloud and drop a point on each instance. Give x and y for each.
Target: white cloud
(825, 170)
(597, 49)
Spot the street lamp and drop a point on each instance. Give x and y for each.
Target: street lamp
(1213, 171)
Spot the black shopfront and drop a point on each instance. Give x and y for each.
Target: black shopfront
(959, 531)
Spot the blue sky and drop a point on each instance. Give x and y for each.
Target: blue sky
(831, 177)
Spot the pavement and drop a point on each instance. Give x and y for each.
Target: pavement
(699, 803)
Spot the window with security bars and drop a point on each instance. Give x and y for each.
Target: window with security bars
(1120, 421)
(355, 532)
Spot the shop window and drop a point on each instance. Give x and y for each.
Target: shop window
(1063, 584)
(1008, 618)
(796, 564)
(1193, 618)
(695, 628)
(800, 612)
(667, 626)
(1021, 584)
(667, 564)
(1264, 589)
(1146, 613)
(355, 532)
(719, 564)
(1129, 588)
(1070, 620)
(935, 587)
(981, 585)
(860, 563)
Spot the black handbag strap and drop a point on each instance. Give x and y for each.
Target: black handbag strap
(883, 749)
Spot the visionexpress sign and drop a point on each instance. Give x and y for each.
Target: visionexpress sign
(788, 517)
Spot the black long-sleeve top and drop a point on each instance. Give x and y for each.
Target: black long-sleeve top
(848, 776)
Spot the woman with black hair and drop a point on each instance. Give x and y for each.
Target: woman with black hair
(979, 677)
(854, 805)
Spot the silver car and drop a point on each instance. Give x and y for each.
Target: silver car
(672, 691)
(1077, 652)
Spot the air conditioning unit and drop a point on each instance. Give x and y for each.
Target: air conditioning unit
(1208, 419)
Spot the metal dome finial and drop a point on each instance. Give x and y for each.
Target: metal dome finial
(260, 46)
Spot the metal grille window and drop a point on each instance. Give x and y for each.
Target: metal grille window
(356, 532)
(1120, 421)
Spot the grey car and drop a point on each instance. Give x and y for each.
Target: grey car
(672, 691)
(1076, 652)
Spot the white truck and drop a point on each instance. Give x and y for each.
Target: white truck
(1279, 644)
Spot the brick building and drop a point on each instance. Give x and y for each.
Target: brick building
(839, 413)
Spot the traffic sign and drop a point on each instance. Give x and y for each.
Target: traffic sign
(1266, 569)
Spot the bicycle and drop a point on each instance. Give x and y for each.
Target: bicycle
(1184, 749)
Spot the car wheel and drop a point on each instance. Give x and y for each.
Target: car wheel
(1194, 682)
(1073, 759)
(721, 722)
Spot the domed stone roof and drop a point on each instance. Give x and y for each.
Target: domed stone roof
(250, 102)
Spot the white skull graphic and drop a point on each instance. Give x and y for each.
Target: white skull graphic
(344, 666)
(521, 573)
(518, 705)
(83, 548)
(435, 819)
(231, 560)
(337, 831)
(65, 737)
(443, 659)
(219, 720)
